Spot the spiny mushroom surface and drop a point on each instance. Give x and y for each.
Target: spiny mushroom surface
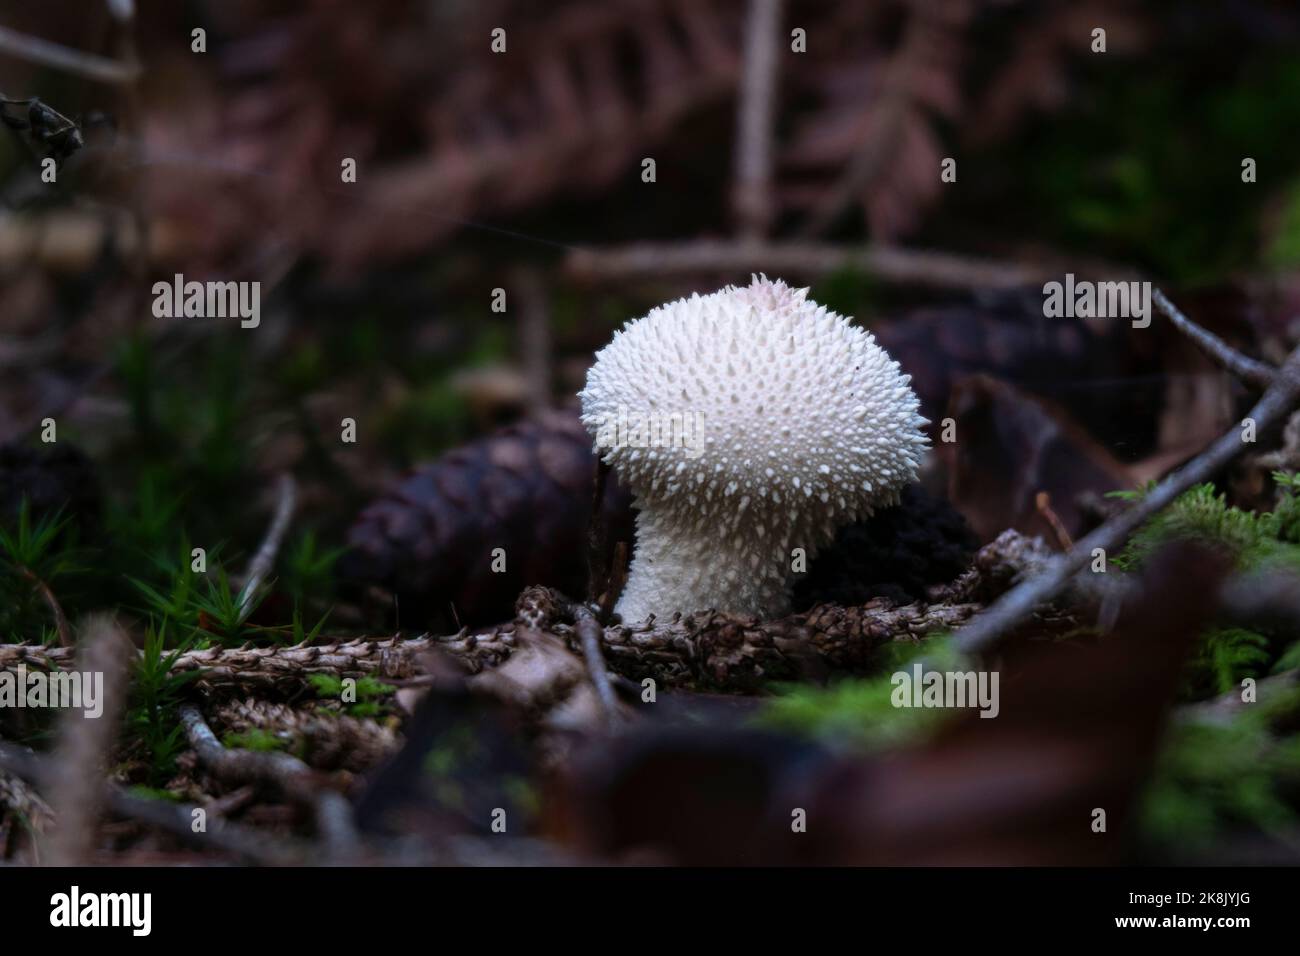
(748, 423)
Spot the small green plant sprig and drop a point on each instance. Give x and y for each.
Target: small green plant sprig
(308, 568)
(858, 712)
(1202, 514)
(1286, 514)
(1224, 656)
(255, 738)
(156, 691)
(205, 607)
(34, 556)
(370, 694)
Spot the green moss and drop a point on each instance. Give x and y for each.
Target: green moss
(1121, 168)
(370, 694)
(155, 793)
(1203, 515)
(152, 721)
(1286, 515)
(1212, 778)
(1223, 658)
(254, 738)
(34, 555)
(859, 712)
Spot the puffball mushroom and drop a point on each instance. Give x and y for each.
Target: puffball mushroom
(747, 423)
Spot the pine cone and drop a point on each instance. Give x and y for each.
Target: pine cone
(525, 489)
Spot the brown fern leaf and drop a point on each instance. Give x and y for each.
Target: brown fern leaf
(1035, 77)
(569, 110)
(873, 130)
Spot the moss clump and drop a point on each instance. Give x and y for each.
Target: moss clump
(1203, 515)
(1224, 656)
(254, 738)
(1286, 516)
(1215, 778)
(368, 698)
(859, 712)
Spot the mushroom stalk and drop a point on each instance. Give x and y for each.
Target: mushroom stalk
(742, 570)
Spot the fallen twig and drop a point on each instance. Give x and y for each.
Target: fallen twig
(1016, 605)
(175, 818)
(270, 668)
(60, 57)
(756, 113)
(886, 263)
(1043, 502)
(17, 797)
(1245, 368)
(264, 559)
(590, 635)
(56, 609)
(706, 650)
(289, 774)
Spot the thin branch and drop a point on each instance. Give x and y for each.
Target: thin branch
(124, 23)
(1016, 605)
(122, 10)
(756, 116)
(175, 818)
(17, 796)
(810, 259)
(1245, 368)
(591, 634)
(264, 560)
(294, 778)
(234, 765)
(1043, 502)
(56, 609)
(706, 650)
(88, 65)
(272, 668)
(178, 819)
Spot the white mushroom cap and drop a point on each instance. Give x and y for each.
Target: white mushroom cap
(748, 423)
